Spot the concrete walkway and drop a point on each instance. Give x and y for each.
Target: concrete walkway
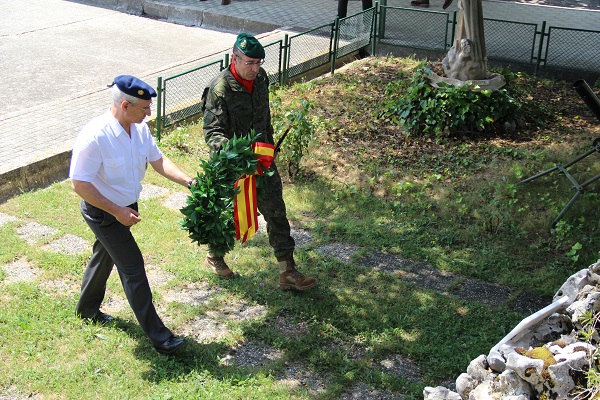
(58, 56)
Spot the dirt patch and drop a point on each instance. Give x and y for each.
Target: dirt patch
(20, 271)
(251, 354)
(33, 233)
(204, 330)
(5, 218)
(194, 294)
(289, 329)
(301, 237)
(486, 293)
(60, 287)
(176, 201)
(68, 244)
(296, 376)
(238, 312)
(341, 251)
(353, 351)
(157, 277)
(363, 391)
(404, 367)
(150, 191)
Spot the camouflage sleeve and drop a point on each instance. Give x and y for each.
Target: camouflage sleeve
(216, 122)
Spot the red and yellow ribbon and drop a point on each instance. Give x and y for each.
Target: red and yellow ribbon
(245, 209)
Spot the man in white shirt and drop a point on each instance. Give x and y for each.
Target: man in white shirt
(110, 158)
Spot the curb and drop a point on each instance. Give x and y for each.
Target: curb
(37, 175)
(188, 16)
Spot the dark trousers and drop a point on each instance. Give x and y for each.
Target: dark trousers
(269, 198)
(115, 245)
(343, 7)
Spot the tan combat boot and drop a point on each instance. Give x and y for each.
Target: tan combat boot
(217, 265)
(290, 278)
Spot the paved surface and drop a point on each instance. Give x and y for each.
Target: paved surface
(58, 56)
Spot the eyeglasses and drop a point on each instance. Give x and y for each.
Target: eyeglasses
(251, 63)
(145, 109)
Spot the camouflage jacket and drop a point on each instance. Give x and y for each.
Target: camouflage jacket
(231, 110)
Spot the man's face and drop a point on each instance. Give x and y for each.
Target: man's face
(246, 67)
(138, 112)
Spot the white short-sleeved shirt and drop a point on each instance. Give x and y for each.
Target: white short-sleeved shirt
(111, 160)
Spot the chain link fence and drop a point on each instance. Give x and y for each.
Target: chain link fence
(506, 41)
(576, 49)
(510, 41)
(179, 96)
(417, 29)
(354, 32)
(309, 50)
(274, 61)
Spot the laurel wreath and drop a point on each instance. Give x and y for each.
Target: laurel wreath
(208, 214)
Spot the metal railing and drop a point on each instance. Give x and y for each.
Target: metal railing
(528, 44)
(551, 48)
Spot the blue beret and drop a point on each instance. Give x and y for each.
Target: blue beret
(250, 46)
(134, 87)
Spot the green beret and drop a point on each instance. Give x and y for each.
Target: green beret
(248, 45)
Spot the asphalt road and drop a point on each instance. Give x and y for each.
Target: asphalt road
(52, 49)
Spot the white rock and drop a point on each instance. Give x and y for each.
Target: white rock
(509, 383)
(560, 376)
(496, 361)
(478, 368)
(465, 383)
(573, 285)
(483, 392)
(440, 393)
(528, 369)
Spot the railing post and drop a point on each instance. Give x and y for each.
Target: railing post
(285, 61)
(452, 30)
(374, 29)
(159, 112)
(382, 19)
(335, 35)
(539, 56)
(225, 61)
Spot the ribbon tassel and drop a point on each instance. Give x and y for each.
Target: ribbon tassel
(245, 208)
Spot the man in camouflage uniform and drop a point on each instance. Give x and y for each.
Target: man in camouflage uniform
(236, 102)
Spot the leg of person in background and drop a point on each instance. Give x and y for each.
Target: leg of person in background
(342, 8)
(420, 3)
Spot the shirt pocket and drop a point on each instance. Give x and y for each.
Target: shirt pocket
(115, 170)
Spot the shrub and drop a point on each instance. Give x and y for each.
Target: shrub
(294, 116)
(428, 111)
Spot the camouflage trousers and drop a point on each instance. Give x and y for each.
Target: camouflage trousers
(269, 197)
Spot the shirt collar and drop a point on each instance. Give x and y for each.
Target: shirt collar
(116, 126)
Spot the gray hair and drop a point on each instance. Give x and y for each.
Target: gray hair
(118, 97)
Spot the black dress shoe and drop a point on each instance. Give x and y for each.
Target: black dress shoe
(170, 346)
(101, 318)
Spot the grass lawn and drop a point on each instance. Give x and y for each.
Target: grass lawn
(400, 230)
